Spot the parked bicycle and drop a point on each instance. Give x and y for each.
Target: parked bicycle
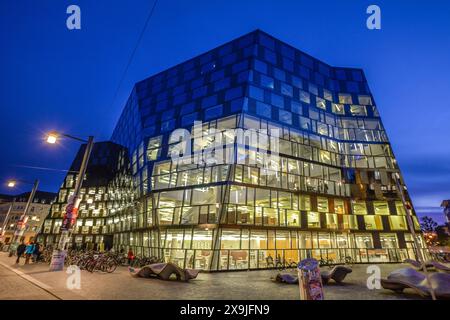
(325, 262)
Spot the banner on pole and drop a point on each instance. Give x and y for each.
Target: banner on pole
(57, 263)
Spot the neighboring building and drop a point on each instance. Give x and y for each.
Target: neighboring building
(38, 211)
(332, 195)
(106, 192)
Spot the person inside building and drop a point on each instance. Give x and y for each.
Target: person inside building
(130, 256)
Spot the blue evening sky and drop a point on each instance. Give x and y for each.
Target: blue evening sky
(54, 78)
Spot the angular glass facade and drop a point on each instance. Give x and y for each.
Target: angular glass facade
(330, 193)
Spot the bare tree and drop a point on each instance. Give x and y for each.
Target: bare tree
(428, 224)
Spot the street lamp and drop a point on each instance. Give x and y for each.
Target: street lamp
(51, 138)
(71, 212)
(22, 222)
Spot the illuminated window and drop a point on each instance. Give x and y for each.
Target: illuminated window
(339, 206)
(322, 204)
(304, 202)
(398, 222)
(388, 240)
(345, 99)
(337, 108)
(400, 208)
(359, 207)
(332, 221)
(293, 218)
(358, 110)
(313, 220)
(364, 241)
(349, 222)
(373, 222)
(381, 207)
(320, 103)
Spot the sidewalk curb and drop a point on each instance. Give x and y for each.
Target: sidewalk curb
(32, 280)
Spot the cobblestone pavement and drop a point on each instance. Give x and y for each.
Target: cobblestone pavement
(224, 286)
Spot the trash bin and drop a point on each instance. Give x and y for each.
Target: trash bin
(309, 280)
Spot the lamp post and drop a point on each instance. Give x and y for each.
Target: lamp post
(22, 222)
(6, 218)
(71, 211)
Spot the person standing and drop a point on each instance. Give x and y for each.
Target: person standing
(37, 252)
(20, 251)
(28, 252)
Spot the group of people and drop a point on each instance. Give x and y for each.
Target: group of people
(32, 250)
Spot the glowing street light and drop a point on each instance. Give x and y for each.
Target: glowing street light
(52, 137)
(71, 211)
(21, 223)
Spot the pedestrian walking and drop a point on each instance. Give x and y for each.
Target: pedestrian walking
(28, 252)
(20, 251)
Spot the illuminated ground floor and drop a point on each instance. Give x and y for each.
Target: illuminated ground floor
(242, 249)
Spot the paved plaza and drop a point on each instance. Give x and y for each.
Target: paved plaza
(34, 281)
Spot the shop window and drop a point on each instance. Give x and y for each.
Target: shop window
(342, 241)
(363, 241)
(202, 239)
(304, 240)
(282, 240)
(258, 239)
(388, 240)
(324, 240)
(230, 239)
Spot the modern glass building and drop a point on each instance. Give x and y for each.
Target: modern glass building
(107, 192)
(329, 194)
